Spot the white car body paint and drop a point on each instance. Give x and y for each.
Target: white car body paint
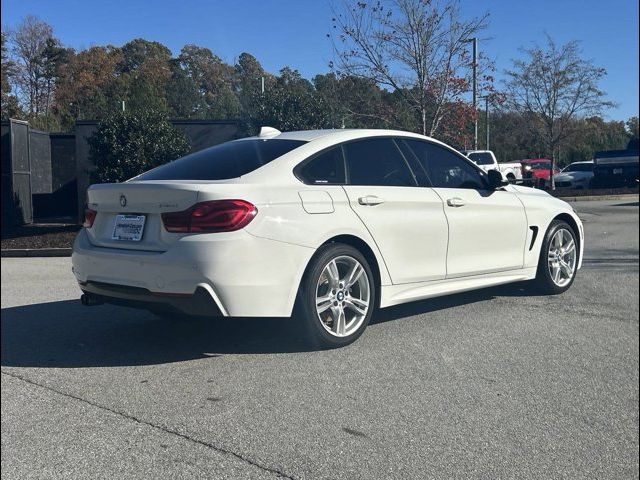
(426, 241)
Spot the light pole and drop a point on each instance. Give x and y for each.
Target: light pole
(474, 42)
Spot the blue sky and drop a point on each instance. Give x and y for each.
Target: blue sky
(290, 32)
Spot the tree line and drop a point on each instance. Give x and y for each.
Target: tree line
(401, 64)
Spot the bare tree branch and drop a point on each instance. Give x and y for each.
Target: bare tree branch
(417, 48)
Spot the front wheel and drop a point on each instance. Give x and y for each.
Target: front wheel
(558, 262)
(337, 296)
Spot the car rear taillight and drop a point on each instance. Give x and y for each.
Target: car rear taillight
(89, 217)
(210, 217)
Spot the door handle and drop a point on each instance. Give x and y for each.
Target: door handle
(370, 200)
(455, 202)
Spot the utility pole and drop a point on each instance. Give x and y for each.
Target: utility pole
(261, 84)
(474, 42)
(486, 118)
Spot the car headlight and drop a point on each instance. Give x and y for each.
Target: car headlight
(527, 167)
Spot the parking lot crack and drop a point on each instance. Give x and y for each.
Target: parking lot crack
(279, 473)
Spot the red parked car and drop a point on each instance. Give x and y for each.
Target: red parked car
(536, 171)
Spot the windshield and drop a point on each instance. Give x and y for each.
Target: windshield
(224, 161)
(481, 158)
(579, 167)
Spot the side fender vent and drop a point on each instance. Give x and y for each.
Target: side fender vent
(534, 230)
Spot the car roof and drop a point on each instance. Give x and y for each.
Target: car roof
(581, 162)
(315, 141)
(339, 134)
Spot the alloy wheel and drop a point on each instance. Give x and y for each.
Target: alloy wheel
(562, 257)
(343, 296)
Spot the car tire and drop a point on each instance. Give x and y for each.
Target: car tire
(331, 304)
(559, 258)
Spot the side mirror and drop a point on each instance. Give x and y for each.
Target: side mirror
(496, 180)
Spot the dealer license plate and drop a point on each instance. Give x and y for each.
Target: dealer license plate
(128, 227)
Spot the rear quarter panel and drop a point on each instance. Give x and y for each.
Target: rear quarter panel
(282, 217)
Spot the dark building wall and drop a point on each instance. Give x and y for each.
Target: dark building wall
(84, 129)
(62, 201)
(207, 133)
(40, 156)
(63, 159)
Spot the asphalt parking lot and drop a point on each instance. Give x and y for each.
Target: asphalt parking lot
(489, 384)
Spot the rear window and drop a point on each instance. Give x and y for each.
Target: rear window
(224, 161)
(481, 158)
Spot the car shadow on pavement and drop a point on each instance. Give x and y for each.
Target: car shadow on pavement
(451, 301)
(66, 334)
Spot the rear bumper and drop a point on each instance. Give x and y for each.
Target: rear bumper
(244, 275)
(198, 303)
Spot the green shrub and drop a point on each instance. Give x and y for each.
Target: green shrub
(128, 144)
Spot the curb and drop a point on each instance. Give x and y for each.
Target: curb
(588, 198)
(36, 252)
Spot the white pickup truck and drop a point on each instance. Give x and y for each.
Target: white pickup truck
(486, 160)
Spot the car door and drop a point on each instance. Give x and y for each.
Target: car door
(406, 221)
(487, 228)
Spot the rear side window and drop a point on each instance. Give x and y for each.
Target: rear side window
(446, 169)
(324, 169)
(227, 160)
(377, 161)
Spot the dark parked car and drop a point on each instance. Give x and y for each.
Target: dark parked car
(616, 168)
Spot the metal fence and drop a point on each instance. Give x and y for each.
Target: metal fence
(17, 207)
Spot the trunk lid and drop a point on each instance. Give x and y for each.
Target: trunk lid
(147, 199)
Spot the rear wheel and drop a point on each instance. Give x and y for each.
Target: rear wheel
(511, 178)
(336, 297)
(558, 262)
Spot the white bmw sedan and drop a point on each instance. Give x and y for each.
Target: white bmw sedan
(331, 223)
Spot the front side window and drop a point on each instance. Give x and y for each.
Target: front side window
(579, 167)
(377, 161)
(446, 169)
(325, 169)
(224, 161)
